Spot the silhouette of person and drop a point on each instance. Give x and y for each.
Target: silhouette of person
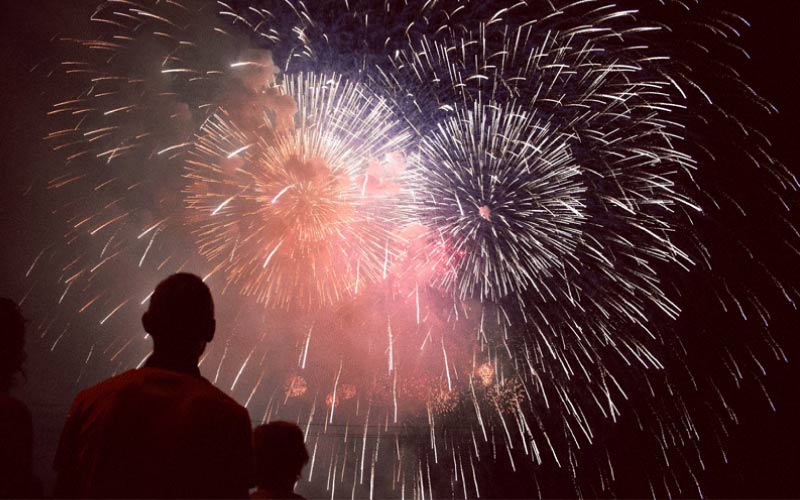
(160, 431)
(280, 455)
(16, 426)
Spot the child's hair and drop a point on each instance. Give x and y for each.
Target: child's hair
(280, 453)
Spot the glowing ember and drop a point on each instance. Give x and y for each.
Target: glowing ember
(296, 386)
(485, 373)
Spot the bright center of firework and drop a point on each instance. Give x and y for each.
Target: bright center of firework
(313, 201)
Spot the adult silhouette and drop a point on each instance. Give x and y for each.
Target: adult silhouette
(160, 431)
(280, 455)
(16, 426)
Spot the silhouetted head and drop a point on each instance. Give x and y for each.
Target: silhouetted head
(280, 455)
(180, 317)
(12, 343)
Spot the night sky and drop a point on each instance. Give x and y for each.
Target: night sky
(763, 450)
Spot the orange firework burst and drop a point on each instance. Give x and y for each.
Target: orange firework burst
(296, 386)
(441, 399)
(485, 373)
(347, 391)
(298, 215)
(331, 401)
(507, 395)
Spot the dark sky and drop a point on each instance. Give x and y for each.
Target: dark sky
(764, 457)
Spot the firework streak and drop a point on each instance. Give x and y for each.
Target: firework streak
(450, 237)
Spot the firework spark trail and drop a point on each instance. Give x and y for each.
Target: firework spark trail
(498, 203)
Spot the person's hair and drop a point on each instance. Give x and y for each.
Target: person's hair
(12, 343)
(280, 453)
(181, 309)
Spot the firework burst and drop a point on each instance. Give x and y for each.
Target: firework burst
(298, 215)
(505, 197)
(483, 220)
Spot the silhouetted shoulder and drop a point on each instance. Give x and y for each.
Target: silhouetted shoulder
(194, 439)
(156, 383)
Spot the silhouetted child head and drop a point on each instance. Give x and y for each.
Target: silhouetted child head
(280, 455)
(12, 343)
(181, 313)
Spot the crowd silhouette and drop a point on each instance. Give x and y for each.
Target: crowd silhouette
(159, 431)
